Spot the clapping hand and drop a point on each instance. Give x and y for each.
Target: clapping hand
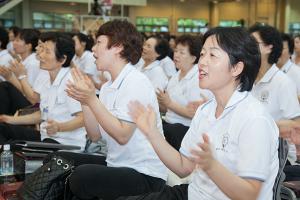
(163, 97)
(203, 156)
(143, 117)
(81, 88)
(52, 127)
(17, 68)
(5, 72)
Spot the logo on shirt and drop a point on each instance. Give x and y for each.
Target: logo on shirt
(264, 96)
(224, 143)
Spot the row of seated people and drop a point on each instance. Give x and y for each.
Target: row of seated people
(137, 150)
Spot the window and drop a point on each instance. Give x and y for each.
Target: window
(187, 25)
(152, 24)
(54, 21)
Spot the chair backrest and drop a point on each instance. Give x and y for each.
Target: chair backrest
(283, 149)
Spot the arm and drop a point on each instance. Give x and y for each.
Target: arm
(30, 94)
(91, 124)
(146, 122)
(237, 188)
(120, 130)
(165, 102)
(33, 118)
(53, 126)
(83, 90)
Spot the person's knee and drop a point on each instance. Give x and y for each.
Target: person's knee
(77, 180)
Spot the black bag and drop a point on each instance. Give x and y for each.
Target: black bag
(48, 181)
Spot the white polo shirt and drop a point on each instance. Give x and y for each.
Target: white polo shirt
(244, 139)
(184, 91)
(138, 153)
(5, 59)
(293, 72)
(61, 107)
(32, 66)
(278, 94)
(155, 74)
(168, 66)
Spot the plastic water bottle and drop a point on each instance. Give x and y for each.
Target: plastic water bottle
(7, 160)
(43, 124)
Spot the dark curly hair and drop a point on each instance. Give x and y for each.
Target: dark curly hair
(270, 36)
(64, 45)
(88, 40)
(194, 44)
(122, 32)
(240, 47)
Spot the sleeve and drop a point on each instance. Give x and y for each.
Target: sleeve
(40, 81)
(140, 90)
(90, 66)
(257, 148)
(193, 135)
(288, 99)
(74, 106)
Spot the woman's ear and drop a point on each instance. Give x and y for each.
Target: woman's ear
(63, 60)
(237, 69)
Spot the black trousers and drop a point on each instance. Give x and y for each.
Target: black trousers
(292, 172)
(174, 133)
(11, 99)
(9, 132)
(96, 181)
(177, 192)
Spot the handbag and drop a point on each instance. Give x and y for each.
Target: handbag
(48, 181)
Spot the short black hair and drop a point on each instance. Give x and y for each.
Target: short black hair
(194, 44)
(3, 38)
(240, 47)
(162, 47)
(270, 36)
(30, 36)
(287, 38)
(64, 46)
(122, 32)
(16, 30)
(88, 40)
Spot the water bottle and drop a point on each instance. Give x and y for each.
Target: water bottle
(7, 161)
(43, 124)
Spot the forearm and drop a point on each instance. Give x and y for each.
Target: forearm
(112, 125)
(71, 125)
(173, 159)
(13, 80)
(30, 94)
(33, 118)
(237, 188)
(91, 124)
(180, 110)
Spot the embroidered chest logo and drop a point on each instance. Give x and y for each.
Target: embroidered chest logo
(224, 143)
(264, 96)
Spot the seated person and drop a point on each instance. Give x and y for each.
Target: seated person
(132, 167)
(218, 149)
(182, 91)
(154, 50)
(5, 57)
(62, 114)
(25, 67)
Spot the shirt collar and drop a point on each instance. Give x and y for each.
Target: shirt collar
(192, 72)
(269, 74)
(28, 59)
(151, 65)
(116, 84)
(287, 66)
(234, 100)
(61, 75)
